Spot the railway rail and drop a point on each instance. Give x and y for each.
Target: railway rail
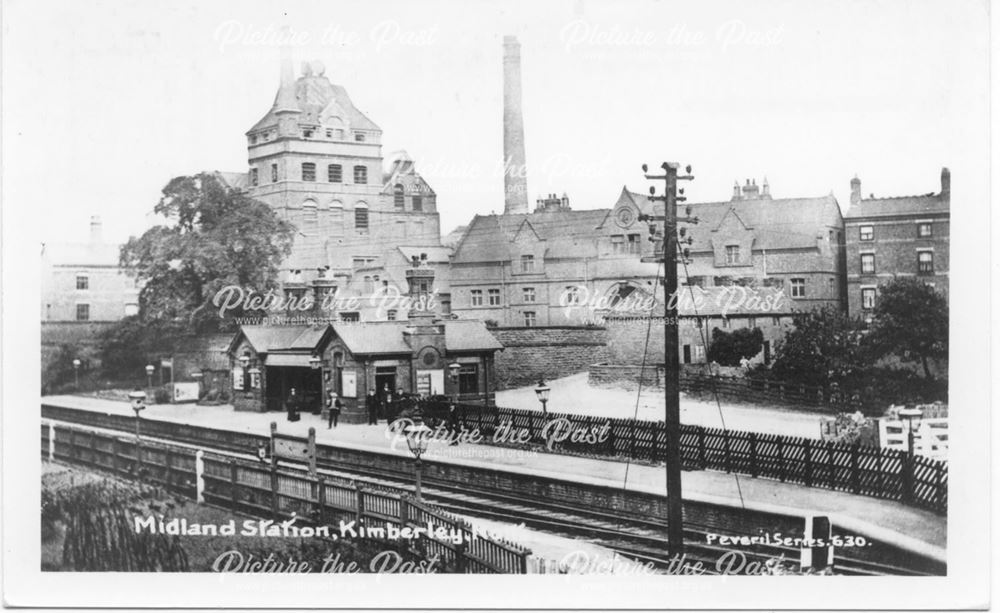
(641, 539)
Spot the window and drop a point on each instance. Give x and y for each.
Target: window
(361, 175)
(253, 177)
(924, 229)
(494, 297)
(925, 262)
(361, 216)
(274, 173)
(732, 254)
(868, 263)
(618, 244)
(751, 322)
(391, 314)
(476, 297)
(867, 233)
(775, 321)
(725, 322)
(529, 319)
(527, 263)
(308, 171)
(82, 312)
(798, 288)
(307, 133)
(360, 261)
(359, 137)
(468, 379)
(253, 139)
(369, 285)
(334, 173)
(633, 243)
(868, 298)
(528, 294)
(309, 213)
(418, 203)
(398, 199)
(329, 132)
(82, 282)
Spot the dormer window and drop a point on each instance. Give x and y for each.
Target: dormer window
(527, 263)
(732, 255)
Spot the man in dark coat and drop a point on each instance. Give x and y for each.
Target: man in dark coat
(292, 405)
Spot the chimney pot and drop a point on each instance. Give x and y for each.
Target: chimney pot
(946, 184)
(855, 190)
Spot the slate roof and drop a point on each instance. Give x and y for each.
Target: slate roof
(376, 337)
(567, 234)
(779, 223)
(469, 335)
(902, 205)
(313, 94)
(365, 338)
(265, 339)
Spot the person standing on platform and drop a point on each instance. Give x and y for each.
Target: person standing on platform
(371, 404)
(292, 405)
(335, 406)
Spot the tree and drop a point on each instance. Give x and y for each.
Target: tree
(729, 348)
(215, 237)
(910, 321)
(824, 347)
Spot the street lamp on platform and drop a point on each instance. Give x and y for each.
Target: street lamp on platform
(542, 391)
(912, 416)
(416, 440)
(76, 372)
(149, 376)
(138, 400)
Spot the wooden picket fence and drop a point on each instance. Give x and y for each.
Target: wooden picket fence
(865, 470)
(265, 491)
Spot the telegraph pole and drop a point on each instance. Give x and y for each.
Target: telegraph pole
(671, 362)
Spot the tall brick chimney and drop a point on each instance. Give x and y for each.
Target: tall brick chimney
(515, 182)
(855, 190)
(946, 185)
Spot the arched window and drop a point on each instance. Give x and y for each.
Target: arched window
(361, 216)
(309, 215)
(397, 196)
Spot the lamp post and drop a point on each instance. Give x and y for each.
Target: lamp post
(149, 376)
(76, 372)
(416, 439)
(912, 416)
(542, 391)
(138, 400)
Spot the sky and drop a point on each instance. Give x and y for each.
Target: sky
(104, 101)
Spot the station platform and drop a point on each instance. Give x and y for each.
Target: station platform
(916, 530)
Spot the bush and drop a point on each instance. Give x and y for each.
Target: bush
(730, 348)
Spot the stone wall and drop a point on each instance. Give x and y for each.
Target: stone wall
(625, 375)
(549, 352)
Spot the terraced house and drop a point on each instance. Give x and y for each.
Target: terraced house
(904, 236)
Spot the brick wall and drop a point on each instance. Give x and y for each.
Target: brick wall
(549, 352)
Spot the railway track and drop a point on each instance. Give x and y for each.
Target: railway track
(640, 539)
